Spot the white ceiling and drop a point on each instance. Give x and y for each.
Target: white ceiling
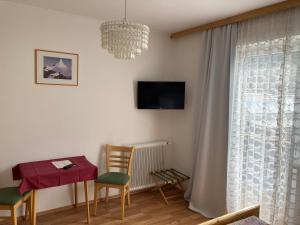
(165, 15)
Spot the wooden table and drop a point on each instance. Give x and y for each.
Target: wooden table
(43, 174)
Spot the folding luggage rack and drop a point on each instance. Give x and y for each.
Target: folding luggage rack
(168, 177)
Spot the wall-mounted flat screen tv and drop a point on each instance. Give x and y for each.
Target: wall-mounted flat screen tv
(160, 95)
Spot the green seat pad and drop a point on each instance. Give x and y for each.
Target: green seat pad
(10, 196)
(113, 178)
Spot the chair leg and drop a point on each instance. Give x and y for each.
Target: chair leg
(96, 190)
(106, 194)
(29, 203)
(14, 215)
(128, 195)
(123, 193)
(28, 208)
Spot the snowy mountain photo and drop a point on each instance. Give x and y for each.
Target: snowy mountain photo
(57, 68)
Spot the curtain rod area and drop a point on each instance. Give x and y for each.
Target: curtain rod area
(238, 18)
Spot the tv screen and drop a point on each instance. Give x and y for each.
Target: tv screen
(160, 95)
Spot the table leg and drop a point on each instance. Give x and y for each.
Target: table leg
(14, 215)
(75, 195)
(86, 201)
(33, 207)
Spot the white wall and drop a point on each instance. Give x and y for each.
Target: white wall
(41, 122)
(187, 67)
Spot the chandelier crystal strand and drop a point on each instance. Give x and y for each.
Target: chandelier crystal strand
(123, 39)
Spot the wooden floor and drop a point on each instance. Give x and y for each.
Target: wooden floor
(146, 208)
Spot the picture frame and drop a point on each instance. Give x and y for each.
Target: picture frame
(56, 68)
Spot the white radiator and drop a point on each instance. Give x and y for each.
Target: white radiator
(147, 157)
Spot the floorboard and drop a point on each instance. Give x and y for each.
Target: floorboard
(146, 208)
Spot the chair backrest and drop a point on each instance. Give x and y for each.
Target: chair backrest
(119, 157)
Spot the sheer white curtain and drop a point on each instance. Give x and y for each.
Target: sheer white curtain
(264, 133)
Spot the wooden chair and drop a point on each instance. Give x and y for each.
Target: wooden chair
(117, 157)
(10, 199)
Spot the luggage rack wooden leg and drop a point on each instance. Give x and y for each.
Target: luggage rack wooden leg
(160, 190)
(166, 177)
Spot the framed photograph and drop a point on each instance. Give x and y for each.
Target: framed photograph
(56, 68)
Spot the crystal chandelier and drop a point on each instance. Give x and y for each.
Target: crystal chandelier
(124, 39)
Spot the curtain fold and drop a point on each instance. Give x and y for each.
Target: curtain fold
(264, 140)
(207, 189)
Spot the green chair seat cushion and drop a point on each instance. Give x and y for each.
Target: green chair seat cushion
(113, 178)
(10, 196)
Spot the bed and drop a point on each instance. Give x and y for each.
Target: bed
(247, 216)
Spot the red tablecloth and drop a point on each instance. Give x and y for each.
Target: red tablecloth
(43, 174)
